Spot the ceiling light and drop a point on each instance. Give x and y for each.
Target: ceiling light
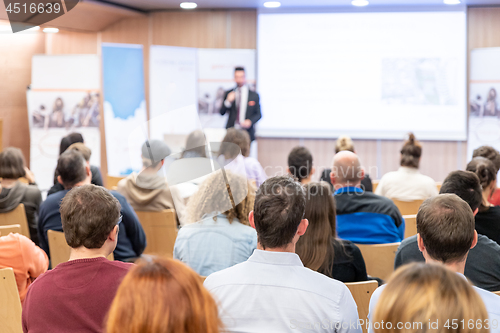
(451, 2)
(188, 5)
(5, 28)
(360, 3)
(272, 4)
(50, 30)
(35, 28)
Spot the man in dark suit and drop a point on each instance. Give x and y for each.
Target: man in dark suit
(242, 104)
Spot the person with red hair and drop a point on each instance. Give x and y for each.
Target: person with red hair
(163, 295)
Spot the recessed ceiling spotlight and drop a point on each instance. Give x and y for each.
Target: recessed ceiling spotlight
(189, 5)
(272, 4)
(35, 28)
(50, 30)
(451, 2)
(359, 3)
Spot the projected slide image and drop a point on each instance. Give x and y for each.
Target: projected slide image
(484, 100)
(417, 81)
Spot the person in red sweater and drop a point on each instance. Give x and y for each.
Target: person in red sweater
(76, 295)
(493, 155)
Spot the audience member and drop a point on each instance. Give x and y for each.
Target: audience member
(241, 138)
(407, 183)
(73, 172)
(483, 262)
(319, 248)
(272, 291)
(148, 191)
(26, 259)
(76, 295)
(300, 164)
(345, 143)
(493, 155)
(429, 298)
(13, 192)
(488, 217)
(66, 142)
(220, 235)
(445, 225)
(362, 217)
(162, 296)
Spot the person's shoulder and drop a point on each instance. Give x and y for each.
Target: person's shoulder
(225, 277)
(54, 198)
(119, 265)
(379, 199)
(486, 245)
(408, 242)
(491, 301)
(118, 196)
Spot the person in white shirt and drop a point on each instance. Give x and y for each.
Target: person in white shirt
(272, 291)
(407, 183)
(446, 233)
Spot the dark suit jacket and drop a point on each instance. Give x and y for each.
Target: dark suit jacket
(253, 112)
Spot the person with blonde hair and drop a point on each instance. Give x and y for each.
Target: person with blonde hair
(162, 295)
(407, 183)
(218, 235)
(428, 297)
(445, 226)
(345, 143)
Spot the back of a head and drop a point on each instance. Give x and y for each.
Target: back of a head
(195, 145)
(424, 297)
(82, 148)
(347, 168)
(88, 214)
(71, 166)
(411, 152)
(315, 247)
(153, 152)
(163, 295)
(240, 138)
(12, 163)
(484, 169)
(230, 194)
(446, 225)
(300, 162)
(490, 153)
(466, 185)
(68, 140)
(344, 143)
(279, 207)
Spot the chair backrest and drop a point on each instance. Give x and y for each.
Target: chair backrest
(7, 229)
(10, 304)
(496, 293)
(16, 216)
(408, 207)
(59, 248)
(375, 184)
(112, 182)
(379, 259)
(410, 225)
(362, 292)
(203, 278)
(438, 185)
(161, 231)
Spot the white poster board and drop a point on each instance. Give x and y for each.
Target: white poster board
(484, 107)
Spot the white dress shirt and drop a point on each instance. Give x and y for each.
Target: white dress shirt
(406, 184)
(490, 300)
(274, 292)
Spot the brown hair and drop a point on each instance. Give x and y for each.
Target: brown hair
(82, 148)
(411, 152)
(162, 296)
(344, 143)
(300, 163)
(484, 169)
(315, 247)
(446, 225)
(217, 191)
(88, 214)
(238, 137)
(71, 166)
(12, 163)
(418, 295)
(490, 153)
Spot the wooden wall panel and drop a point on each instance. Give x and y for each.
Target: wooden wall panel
(243, 29)
(68, 42)
(483, 27)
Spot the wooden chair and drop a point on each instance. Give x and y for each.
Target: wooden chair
(438, 185)
(161, 231)
(410, 225)
(496, 293)
(7, 229)
(375, 184)
(59, 249)
(203, 278)
(362, 292)
(16, 216)
(112, 182)
(10, 304)
(379, 259)
(408, 207)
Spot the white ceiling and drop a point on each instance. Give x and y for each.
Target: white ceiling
(149, 5)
